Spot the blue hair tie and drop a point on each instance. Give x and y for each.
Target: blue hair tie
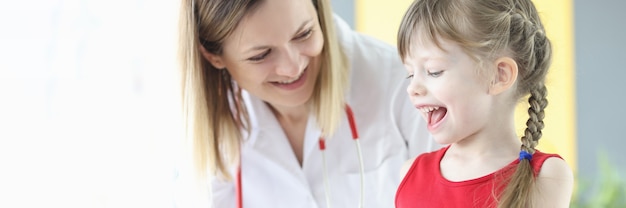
(525, 155)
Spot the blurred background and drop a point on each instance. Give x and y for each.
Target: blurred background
(89, 97)
(88, 110)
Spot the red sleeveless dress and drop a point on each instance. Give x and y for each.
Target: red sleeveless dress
(423, 185)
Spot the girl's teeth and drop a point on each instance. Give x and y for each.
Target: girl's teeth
(429, 109)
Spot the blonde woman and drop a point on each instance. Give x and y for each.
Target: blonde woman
(270, 88)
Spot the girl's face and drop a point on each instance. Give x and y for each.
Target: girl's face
(273, 53)
(447, 89)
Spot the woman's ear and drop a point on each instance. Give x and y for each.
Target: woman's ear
(505, 76)
(215, 60)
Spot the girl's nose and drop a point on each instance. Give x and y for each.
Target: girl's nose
(416, 88)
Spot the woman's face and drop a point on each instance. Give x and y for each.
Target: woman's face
(273, 52)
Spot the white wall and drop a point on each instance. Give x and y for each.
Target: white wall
(88, 104)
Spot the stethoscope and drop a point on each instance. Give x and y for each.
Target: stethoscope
(322, 146)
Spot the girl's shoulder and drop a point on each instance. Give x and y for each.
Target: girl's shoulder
(551, 166)
(554, 181)
(546, 165)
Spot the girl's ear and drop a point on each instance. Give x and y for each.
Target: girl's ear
(215, 60)
(505, 76)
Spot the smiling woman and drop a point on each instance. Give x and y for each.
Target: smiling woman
(89, 110)
(278, 61)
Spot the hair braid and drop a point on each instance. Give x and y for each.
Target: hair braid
(532, 51)
(534, 124)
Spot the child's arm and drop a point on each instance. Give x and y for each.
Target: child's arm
(554, 184)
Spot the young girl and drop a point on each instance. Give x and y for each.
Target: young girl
(469, 63)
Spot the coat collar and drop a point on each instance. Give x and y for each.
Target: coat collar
(264, 124)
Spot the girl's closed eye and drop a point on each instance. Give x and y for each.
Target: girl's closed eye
(434, 73)
(409, 76)
(260, 57)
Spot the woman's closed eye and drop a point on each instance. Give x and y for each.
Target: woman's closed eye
(260, 57)
(304, 35)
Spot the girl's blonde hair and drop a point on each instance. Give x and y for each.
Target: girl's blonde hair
(214, 113)
(486, 29)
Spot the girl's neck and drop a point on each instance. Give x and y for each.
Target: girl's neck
(496, 137)
(486, 145)
(482, 153)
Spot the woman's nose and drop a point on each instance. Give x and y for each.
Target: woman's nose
(289, 64)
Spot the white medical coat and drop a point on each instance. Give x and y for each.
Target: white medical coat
(390, 131)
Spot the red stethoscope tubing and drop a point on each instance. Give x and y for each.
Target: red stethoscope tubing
(238, 187)
(322, 146)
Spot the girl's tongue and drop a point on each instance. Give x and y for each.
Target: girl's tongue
(437, 115)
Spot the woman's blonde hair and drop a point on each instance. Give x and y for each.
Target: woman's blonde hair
(486, 29)
(214, 113)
